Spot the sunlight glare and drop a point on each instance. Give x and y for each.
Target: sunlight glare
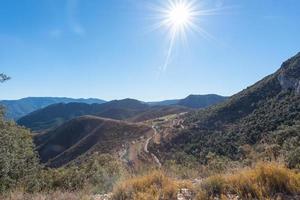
(179, 15)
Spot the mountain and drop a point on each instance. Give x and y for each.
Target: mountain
(130, 109)
(84, 136)
(192, 101)
(16, 109)
(260, 121)
(56, 114)
(201, 101)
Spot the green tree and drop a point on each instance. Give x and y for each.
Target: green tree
(18, 160)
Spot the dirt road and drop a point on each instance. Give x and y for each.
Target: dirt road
(146, 147)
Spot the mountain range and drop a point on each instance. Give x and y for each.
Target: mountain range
(126, 109)
(16, 109)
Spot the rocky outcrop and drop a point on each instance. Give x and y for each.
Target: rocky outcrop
(289, 74)
(289, 83)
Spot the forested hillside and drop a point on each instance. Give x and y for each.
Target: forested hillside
(261, 121)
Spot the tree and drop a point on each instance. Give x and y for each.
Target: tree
(18, 160)
(3, 78)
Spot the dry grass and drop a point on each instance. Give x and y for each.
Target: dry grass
(262, 182)
(155, 185)
(265, 181)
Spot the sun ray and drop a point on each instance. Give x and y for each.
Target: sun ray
(178, 18)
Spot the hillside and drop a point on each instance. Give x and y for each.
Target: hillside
(55, 115)
(16, 109)
(262, 121)
(85, 135)
(201, 101)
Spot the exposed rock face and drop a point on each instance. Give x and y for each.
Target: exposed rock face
(289, 83)
(289, 74)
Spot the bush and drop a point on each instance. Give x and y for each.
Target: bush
(18, 160)
(98, 172)
(293, 159)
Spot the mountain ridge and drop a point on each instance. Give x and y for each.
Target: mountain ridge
(16, 109)
(125, 109)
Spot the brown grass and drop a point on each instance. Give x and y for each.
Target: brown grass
(262, 182)
(155, 185)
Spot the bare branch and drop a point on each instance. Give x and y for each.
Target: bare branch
(3, 78)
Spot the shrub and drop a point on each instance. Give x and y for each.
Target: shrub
(155, 185)
(214, 185)
(293, 159)
(100, 172)
(18, 160)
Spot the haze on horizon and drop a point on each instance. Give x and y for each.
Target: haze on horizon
(108, 50)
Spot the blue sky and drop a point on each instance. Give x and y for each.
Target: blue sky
(106, 49)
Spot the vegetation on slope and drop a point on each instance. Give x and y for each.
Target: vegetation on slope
(85, 135)
(18, 160)
(248, 126)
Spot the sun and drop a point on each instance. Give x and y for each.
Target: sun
(179, 18)
(179, 15)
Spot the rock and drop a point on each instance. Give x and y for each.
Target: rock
(289, 83)
(102, 196)
(197, 181)
(184, 194)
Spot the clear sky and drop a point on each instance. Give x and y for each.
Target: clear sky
(107, 48)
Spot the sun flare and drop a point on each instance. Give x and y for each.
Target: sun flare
(179, 15)
(179, 18)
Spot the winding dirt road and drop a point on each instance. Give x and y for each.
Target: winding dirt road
(146, 147)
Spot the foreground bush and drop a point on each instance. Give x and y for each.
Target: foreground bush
(155, 185)
(98, 172)
(262, 182)
(18, 160)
